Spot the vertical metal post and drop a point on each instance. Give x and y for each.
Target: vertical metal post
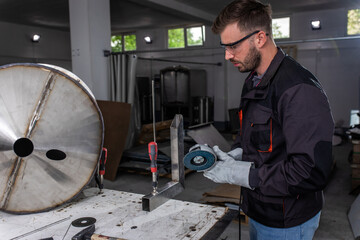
(153, 107)
(177, 184)
(177, 150)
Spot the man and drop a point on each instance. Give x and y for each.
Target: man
(286, 129)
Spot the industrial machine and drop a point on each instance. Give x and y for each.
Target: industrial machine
(51, 136)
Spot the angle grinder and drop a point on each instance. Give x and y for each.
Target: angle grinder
(201, 157)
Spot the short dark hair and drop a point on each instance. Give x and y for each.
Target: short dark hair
(250, 15)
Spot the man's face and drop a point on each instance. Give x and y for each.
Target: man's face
(244, 55)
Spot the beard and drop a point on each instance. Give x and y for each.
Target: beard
(251, 61)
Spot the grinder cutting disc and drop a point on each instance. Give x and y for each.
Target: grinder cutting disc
(200, 158)
(83, 222)
(51, 136)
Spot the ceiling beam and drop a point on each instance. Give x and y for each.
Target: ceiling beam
(185, 9)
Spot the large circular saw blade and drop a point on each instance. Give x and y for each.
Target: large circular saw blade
(51, 136)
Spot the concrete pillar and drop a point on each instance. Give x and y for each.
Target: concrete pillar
(90, 33)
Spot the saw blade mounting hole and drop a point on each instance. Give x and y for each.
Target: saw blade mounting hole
(55, 154)
(23, 147)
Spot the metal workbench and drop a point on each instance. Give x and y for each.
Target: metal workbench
(118, 214)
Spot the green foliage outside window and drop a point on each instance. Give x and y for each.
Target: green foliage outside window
(281, 27)
(276, 31)
(353, 26)
(130, 42)
(116, 43)
(194, 36)
(176, 38)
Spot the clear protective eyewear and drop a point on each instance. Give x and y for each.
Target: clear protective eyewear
(231, 47)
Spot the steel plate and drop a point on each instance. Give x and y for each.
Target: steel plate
(51, 136)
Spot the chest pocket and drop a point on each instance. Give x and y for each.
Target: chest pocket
(261, 131)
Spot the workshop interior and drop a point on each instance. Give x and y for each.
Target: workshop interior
(109, 111)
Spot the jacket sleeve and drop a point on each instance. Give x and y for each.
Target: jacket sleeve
(308, 127)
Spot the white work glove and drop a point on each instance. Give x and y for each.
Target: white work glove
(236, 154)
(228, 170)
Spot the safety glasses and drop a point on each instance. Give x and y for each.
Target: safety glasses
(231, 47)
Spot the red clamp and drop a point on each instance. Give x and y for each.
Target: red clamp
(103, 161)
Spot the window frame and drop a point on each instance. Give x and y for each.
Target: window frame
(123, 41)
(185, 28)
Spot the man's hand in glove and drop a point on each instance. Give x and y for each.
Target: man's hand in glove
(235, 153)
(228, 170)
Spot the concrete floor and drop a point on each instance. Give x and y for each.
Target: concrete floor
(334, 222)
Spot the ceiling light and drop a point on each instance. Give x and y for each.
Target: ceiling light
(315, 25)
(148, 39)
(35, 38)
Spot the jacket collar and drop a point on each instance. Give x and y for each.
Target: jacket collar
(260, 91)
(273, 67)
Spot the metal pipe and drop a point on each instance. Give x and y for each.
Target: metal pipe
(153, 107)
(318, 40)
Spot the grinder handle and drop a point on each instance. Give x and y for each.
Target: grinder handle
(85, 234)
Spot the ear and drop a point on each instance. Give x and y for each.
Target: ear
(261, 39)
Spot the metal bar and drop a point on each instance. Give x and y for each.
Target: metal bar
(177, 185)
(177, 61)
(162, 96)
(318, 40)
(170, 190)
(220, 226)
(177, 150)
(40, 229)
(153, 107)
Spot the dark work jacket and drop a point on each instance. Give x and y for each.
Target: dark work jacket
(286, 129)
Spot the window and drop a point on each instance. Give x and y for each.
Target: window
(353, 26)
(281, 27)
(120, 43)
(176, 38)
(116, 43)
(130, 42)
(195, 36)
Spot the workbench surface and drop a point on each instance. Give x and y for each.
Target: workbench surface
(118, 214)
